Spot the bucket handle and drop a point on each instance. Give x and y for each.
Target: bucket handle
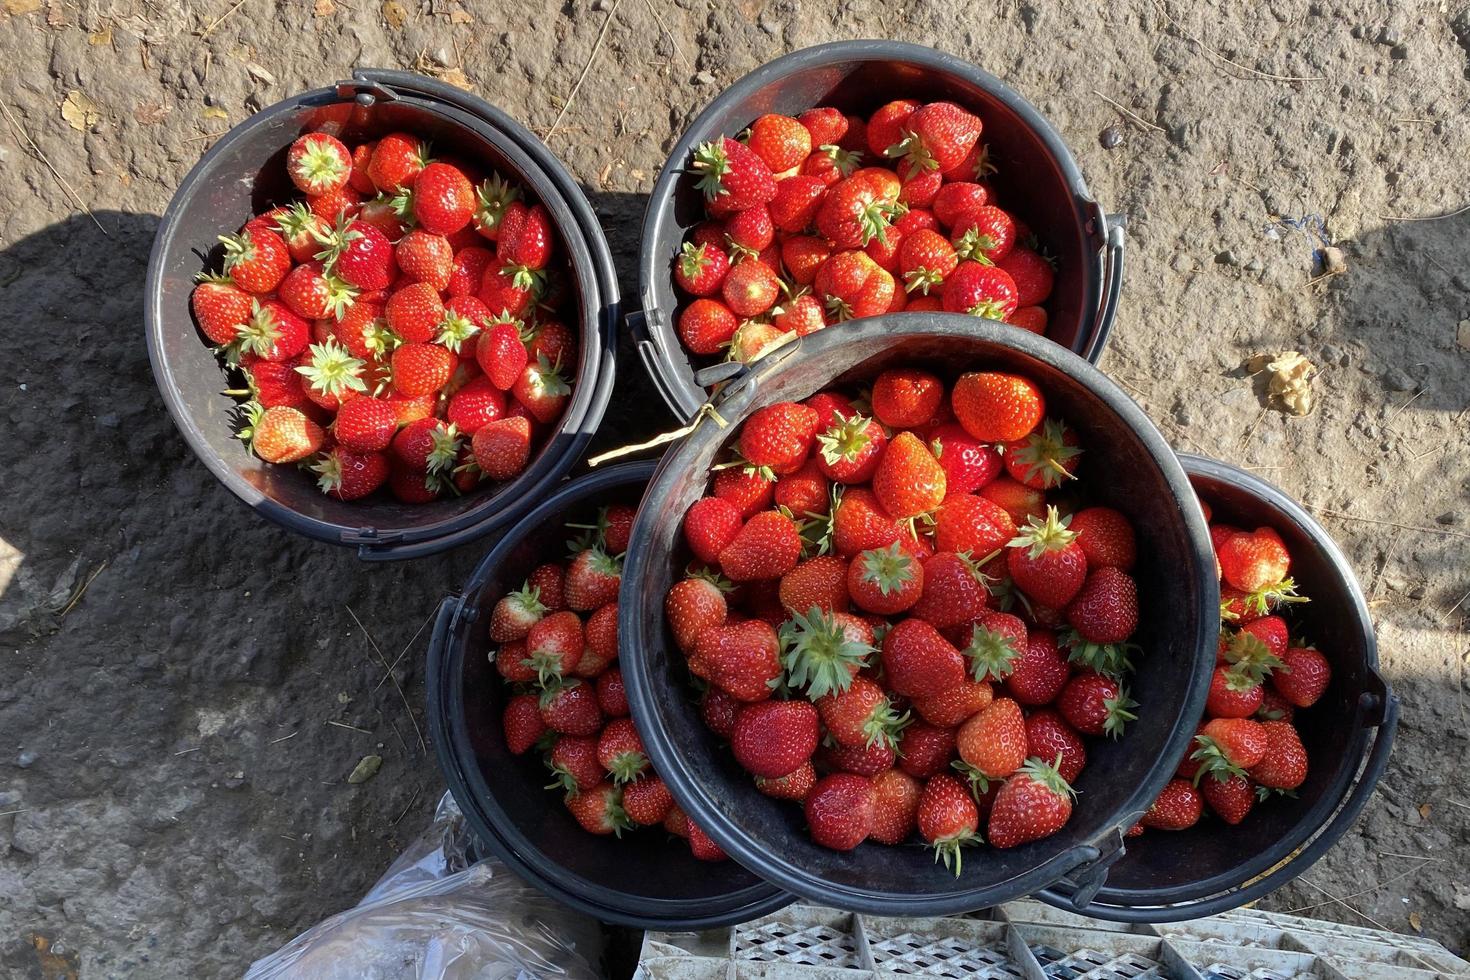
(1113, 239)
(1369, 706)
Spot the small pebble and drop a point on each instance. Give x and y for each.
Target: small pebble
(704, 78)
(1111, 138)
(1389, 37)
(1226, 257)
(1333, 260)
(1254, 265)
(26, 759)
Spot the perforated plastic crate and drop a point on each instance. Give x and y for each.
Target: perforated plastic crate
(1030, 941)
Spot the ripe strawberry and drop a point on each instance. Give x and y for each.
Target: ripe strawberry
(742, 658)
(344, 202)
(504, 293)
(380, 212)
(1272, 631)
(360, 255)
(884, 251)
(1105, 537)
(825, 124)
(427, 258)
(995, 644)
(512, 663)
(884, 127)
(955, 706)
(522, 724)
(804, 492)
(733, 176)
(1049, 737)
(700, 844)
(599, 810)
(1274, 707)
(620, 751)
(895, 806)
(1045, 561)
(979, 290)
(925, 749)
(969, 464)
(1106, 609)
(859, 208)
(443, 199)
(1034, 803)
(710, 524)
(348, 475)
(966, 523)
(554, 645)
(749, 233)
(525, 240)
(936, 137)
(956, 198)
(501, 353)
(821, 652)
(1041, 672)
(365, 424)
(309, 293)
(719, 711)
(954, 591)
(859, 523)
(781, 141)
(862, 760)
(908, 481)
(1178, 807)
(281, 434)
(750, 288)
(925, 259)
(1232, 694)
(919, 662)
(997, 407)
(515, 613)
(1284, 766)
(1096, 705)
(747, 490)
(795, 785)
(1252, 561)
(647, 801)
(221, 308)
(919, 188)
(818, 583)
(803, 256)
(906, 398)
(421, 369)
(851, 285)
(592, 580)
(774, 738)
(397, 160)
(318, 163)
(778, 437)
(501, 447)
(414, 486)
(801, 315)
(701, 269)
(573, 764)
(1016, 499)
(475, 406)
(1229, 745)
(426, 445)
(840, 811)
(860, 715)
(947, 818)
(992, 743)
(466, 272)
(1029, 318)
(414, 312)
(849, 448)
(1033, 275)
(601, 633)
(1302, 677)
(1046, 458)
(542, 390)
(1231, 798)
(797, 201)
(492, 197)
(767, 546)
(256, 261)
(571, 708)
(985, 234)
(885, 581)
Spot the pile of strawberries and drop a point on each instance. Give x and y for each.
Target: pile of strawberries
(557, 647)
(397, 325)
(1248, 749)
(824, 217)
(846, 611)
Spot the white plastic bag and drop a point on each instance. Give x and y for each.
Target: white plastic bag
(432, 918)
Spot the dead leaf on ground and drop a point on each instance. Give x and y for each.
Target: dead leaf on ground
(1425, 810)
(214, 112)
(101, 36)
(259, 73)
(1416, 921)
(55, 16)
(1289, 386)
(150, 113)
(324, 8)
(53, 966)
(17, 7)
(80, 111)
(455, 77)
(394, 14)
(457, 15)
(366, 769)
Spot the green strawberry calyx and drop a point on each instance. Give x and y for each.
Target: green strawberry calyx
(992, 654)
(332, 370)
(1041, 535)
(819, 656)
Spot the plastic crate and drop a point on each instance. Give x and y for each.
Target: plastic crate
(1030, 941)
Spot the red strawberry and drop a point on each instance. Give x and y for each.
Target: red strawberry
(719, 711)
(821, 651)
(818, 583)
(612, 696)
(862, 760)
(792, 786)
(414, 486)
(956, 705)
(1105, 537)
(781, 141)
(601, 632)
(766, 547)
(599, 810)
(1106, 609)
(710, 524)
(426, 445)
(1017, 499)
(859, 208)
(979, 290)
(515, 613)
(732, 175)
(992, 743)
(525, 240)
(309, 293)
(467, 272)
(571, 708)
(972, 524)
(504, 293)
(885, 581)
(542, 389)
(349, 475)
(749, 233)
(502, 354)
(221, 308)
(648, 801)
(1271, 631)
(1232, 694)
(860, 715)
(956, 198)
(301, 230)
(592, 580)
(803, 492)
(925, 259)
(1178, 807)
(969, 463)
(1034, 803)
(700, 270)
(1033, 275)
(996, 644)
(997, 407)
(936, 137)
(747, 490)
(344, 202)
(840, 811)
(521, 721)
(1096, 705)
(1302, 677)
(475, 406)
(925, 749)
(573, 763)
(779, 437)
(919, 188)
(825, 124)
(365, 424)
(554, 645)
(414, 312)
(1274, 707)
(906, 398)
(492, 197)
(802, 315)
(797, 201)
(954, 591)
(1045, 561)
(397, 160)
(985, 234)
(774, 738)
(502, 447)
(360, 255)
(1049, 737)
(318, 163)
(620, 751)
(706, 325)
(1029, 318)
(1046, 458)
(281, 434)
(1229, 745)
(381, 213)
(256, 260)
(701, 846)
(849, 448)
(1231, 798)
(918, 662)
(803, 256)
(742, 658)
(1284, 766)
(851, 285)
(1252, 561)
(428, 258)
(895, 806)
(908, 481)
(947, 818)
(443, 199)
(884, 127)
(859, 523)
(1041, 672)
(421, 369)
(750, 288)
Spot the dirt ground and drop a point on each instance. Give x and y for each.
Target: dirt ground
(188, 688)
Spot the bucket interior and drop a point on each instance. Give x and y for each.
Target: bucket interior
(1177, 630)
(1212, 855)
(1032, 181)
(244, 175)
(646, 873)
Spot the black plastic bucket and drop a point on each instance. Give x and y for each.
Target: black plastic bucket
(1213, 867)
(242, 175)
(1130, 468)
(646, 879)
(1037, 176)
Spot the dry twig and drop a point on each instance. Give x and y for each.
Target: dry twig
(20, 133)
(596, 47)
(1129, 113)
